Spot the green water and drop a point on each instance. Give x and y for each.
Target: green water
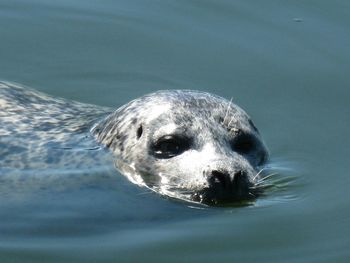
(285, 62)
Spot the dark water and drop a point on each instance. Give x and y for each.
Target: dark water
(285, 62)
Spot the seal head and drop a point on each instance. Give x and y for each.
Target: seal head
(187, 145)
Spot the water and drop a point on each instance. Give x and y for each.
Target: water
(286, 64)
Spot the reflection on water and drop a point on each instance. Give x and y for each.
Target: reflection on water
(285, 63)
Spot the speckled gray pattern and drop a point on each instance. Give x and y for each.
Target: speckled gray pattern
(210, 123)
(41, 132)
(222, 156)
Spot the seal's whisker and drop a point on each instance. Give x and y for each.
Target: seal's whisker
(255, 187)
(266, 177)
(228, 125)
(251, 194)
(185, 191)
(146, 193)
(261, 186)
(261, 170)
(227, 110)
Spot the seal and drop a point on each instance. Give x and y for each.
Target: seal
(183, 144)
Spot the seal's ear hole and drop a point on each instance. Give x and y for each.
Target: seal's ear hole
(139, 132)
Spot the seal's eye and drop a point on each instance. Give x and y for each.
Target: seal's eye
(139, 132)
(170, 146)
(244, 143)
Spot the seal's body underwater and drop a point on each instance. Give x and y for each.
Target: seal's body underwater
(188, 145)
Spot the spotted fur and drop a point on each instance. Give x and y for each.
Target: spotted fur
(210, 122)
(40, 133)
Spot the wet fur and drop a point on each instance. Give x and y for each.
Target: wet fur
(38, 131)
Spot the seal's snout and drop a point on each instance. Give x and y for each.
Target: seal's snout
(240, 180)
(219, 180)
(224, 181)
(225, 187)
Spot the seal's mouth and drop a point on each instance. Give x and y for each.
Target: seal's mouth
(223, 190)
(213, 198)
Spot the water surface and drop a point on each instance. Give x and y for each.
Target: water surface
(286, 63)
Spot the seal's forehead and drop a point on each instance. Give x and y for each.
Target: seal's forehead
(190, 107)
(187, 100)
(187, 106)
(156, 110)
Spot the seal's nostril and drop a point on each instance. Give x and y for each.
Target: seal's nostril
(239, 177)
(221, 179)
